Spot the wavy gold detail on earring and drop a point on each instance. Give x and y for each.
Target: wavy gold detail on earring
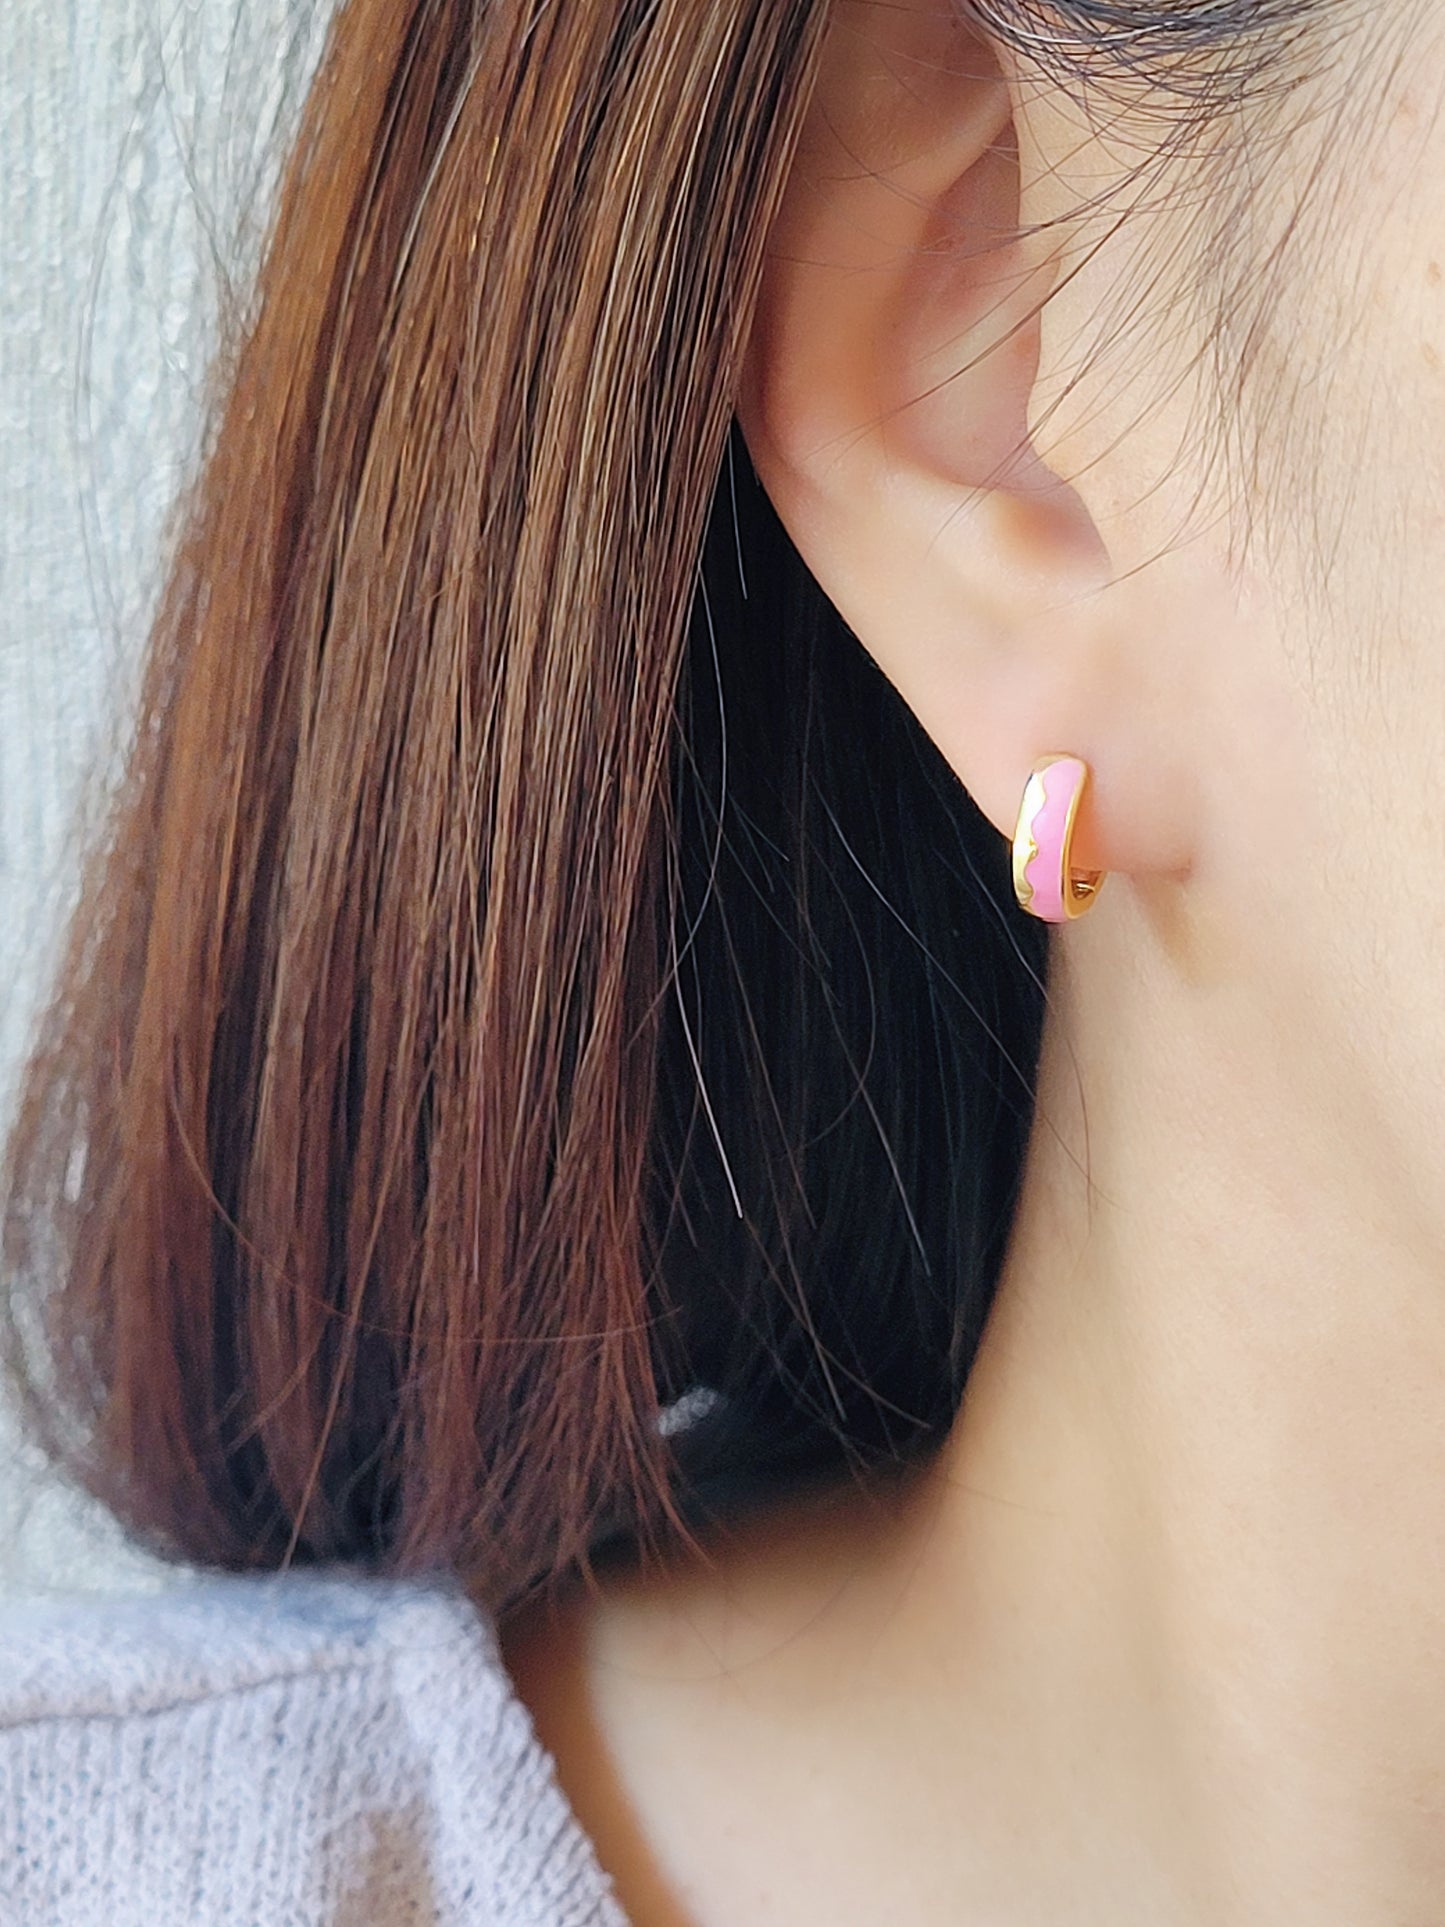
(1024, 848)
(1067, 893)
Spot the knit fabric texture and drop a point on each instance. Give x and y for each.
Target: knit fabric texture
(285, 1751)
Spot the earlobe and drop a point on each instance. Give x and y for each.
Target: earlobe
(888, 391)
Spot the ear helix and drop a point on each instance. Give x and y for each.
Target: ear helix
(1045, 881)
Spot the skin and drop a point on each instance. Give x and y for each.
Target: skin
(1160, 1635)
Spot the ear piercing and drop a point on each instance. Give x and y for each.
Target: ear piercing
(1045, 882)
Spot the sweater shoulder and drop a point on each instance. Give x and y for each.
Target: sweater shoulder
(113, 1657)
(291, 1748)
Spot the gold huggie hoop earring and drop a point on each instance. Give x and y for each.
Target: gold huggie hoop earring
(1045, 882)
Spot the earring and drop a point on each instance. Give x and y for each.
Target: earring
(1045, 883)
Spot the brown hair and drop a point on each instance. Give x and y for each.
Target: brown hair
(535, 968)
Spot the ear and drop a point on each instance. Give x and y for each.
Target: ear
(889, 385)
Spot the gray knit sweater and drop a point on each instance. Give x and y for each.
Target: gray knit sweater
(279, 1752)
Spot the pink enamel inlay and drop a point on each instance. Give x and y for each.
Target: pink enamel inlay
(1045, 873)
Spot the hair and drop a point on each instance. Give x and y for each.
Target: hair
(545, 1050)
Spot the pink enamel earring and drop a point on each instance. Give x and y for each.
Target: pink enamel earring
(1045, 881)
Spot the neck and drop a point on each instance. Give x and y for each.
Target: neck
(1162, 1621)
(1200, 1475)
